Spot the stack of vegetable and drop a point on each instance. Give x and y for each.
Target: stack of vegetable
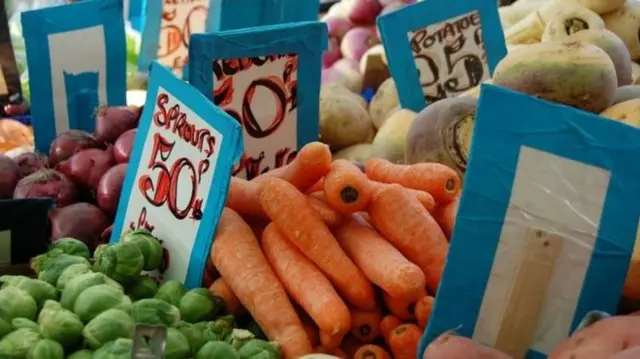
(81, 307)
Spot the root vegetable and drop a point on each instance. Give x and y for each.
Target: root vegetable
(122, 147)
(68, 143)
(343, 119)
(30, 162)
(377, 50)
(109, 188)
(47, 183)
(332, 54)
(9, 176)
(391, 138)
(601, 6)
(82, 221)
(344, 72)
(450, 346)
(87, 166)
(511, 14)
(626, 93)
(384, 102)
(363, 12)
(627, 112)
(565, 24)
(338, 27)
(625, 22)
(360, 152)
(111, 122)
(357, 41)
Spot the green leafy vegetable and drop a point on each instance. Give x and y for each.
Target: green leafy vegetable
(40, 291)
(149, 246)
(122, 261)
(18, 323)
(18, 303)
(46, 349)
(198, 305)
(219, 329)
(108, 326)
(5, 322)
(119, 349)
(193, 334)
(95, 300)
(238, 337)
(17, 343)
(73, 289)
(53, 270)
(171, 292)
(72, 246)
(177, 345)
(59, 324)
(260, 349)
(144, 287)
(81, 354)
(155, 312)
(71, 272)
(217, 350)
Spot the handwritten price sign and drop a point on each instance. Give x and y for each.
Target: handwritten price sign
(184, 151)
(437, 50)
(227, 15)
(268, 80)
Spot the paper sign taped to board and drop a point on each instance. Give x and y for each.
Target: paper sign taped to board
(440, 49)
(166, 31)
(547, 220)
(268, 79)
(77, 61)
(184, 150)
(227, 15)
(10, 90)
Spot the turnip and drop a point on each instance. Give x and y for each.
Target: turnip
(87, 166)
(601, 6)
(511, 14)
(450, 346)
(357, 41)
(111, 122)
(30, 162)
(338, 26)
(123, 146)
(529, 30)
(563, 25)
(363, 12)
(109, 188)
(47, 183)
(69, 142)
(332, 54)
(82, 221)
(9, 176)
(344, 72)
(625, 22)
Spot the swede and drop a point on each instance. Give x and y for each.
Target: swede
(511, 14)
(563, 25)
(601, 6)
(625, 22)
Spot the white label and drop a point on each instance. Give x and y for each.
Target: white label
(173, 181)
(5, 247)
(450, 56)
(3, 84)
(261, 94)
(75, 52)
(564, 197)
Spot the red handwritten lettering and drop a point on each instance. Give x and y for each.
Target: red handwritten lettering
(177, 35)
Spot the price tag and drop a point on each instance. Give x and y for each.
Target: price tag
(166, 31)
(439, 49)
(176, 185)
(10, 91)
(24, 229)
(241, 14)
(268, 79)
(547, 220)
(76, 59)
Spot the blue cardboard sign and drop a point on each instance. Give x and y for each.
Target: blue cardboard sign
(166, 31)
(560, 174)
(439, 49)
(76, 56)
(176, 183)
(241, 14)
(133, 8)
(268, 79)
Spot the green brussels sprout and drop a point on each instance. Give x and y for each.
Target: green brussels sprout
(217, 350)
(238, 337)
(122, 261)
(171, 292)
(81, 354)
(155, 312)
(254, 328)
(144, 287)
(107, 326)
(177, 345)
(198, 305)
(120, 348)
(18, 323)
(260, 349)
(5, 322)
(71, 272)
(52, 272)
(219, 329)
(95, 300)
(149, 245)
(46, 349)
(42, 261)
(18, 303)
(17, 343)
(193, 335)
(59, 324)
(74, 288)
(40, 291)
(72, 246)
(98, 251)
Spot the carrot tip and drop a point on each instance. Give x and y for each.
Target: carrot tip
(365, 330)
(349, 194)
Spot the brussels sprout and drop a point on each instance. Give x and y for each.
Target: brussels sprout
(254, 328)
(122, 261)
(198, 305)
(155, 312)
(42, 261)
(171, 292)
(219, 329)
(74, 288)
(5, 322)
(260, 349)
(72, 246)
(144, 287)
(149, 245)
(72, 272)
(59, 324)
(193, 335)
(95, 300)
(238, 337)
(98, 252)
(81, 354)
(217, 350)
(18, 303)
(40, 291)
(177, 345)
(46, 349)
(107, 326)
(17, 343)
(52, 272)
(18, 323)
(118, 349)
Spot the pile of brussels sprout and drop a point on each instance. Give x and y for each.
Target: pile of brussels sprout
(81, 307)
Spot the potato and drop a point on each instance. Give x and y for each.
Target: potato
(343, 119)
(360, 152)
(450, 346)
(391, 139)
(384, 102)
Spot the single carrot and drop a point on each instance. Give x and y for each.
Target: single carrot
(440, 181)
(380, 261)
(402, 309)
(207, 280)
(445, 215)
(365, 216)
(237, 255)
(365, 325)
(312, 162)
(317, 186)
(423, 309)
(242, 197)
(330, 341)
(401, 219)
(387, 325)
(220, 289)
(350, 345)
(289, 210)
(337, 352)
(330, 216)
(370, 351)
(404, 341)
(425, 198)
(346, 188)
(306, 284)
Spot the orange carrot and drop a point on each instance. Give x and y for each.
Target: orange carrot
(350, 345)
(365, 325)
(206, 279)
(387, 325)
(242, 197)
(329, 341)
(440, 181)
(317, 186)
(346, 188)
(289, 210)
(370, 351)
(330, 216)
(237, 255)
(221, 289)
(306, 284)
(310, 328)
(335, 352)
(400, 308)
(401, 219)
(381, 262)
(404, 341)
(425, 198)
(445, 215)
(312, 162)
(423, 309)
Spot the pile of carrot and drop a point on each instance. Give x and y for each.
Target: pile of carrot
(336, 257)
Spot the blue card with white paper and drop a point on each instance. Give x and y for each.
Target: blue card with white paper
(439, 49)
(177, 180)
(268, 78)
(76, 56)
(547, 222)
(241, 14)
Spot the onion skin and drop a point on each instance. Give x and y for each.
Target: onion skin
(82, 221)
(123, 146)
(9, 176)
(111, 122)
(68, 143)
(87, 167)
(109, 188)
(47, 183)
